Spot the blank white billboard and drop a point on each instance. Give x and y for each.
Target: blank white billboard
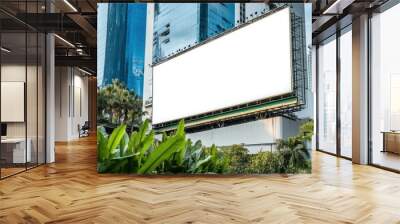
(251, 63)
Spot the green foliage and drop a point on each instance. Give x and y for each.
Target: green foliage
(121, 153)
(237, 157)
(264, 162)
(117, 105)
(164, 150)
(307, 130)
(205, 159)
(293, 154)
(143, 154)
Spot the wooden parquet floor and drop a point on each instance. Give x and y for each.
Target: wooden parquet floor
(70, 191)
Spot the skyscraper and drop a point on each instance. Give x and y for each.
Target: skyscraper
(135, 46)
(179, 26)
(248, 11)
(114, 66)
(124, 51)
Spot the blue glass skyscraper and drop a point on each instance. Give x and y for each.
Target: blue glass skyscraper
(114, 66)
(124, 51)
(177, 25)
(135, 46)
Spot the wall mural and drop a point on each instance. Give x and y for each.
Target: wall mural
(217, 88)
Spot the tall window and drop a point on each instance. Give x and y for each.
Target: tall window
(385, 89)
(346, 93)
(327, 96)
(22, 78)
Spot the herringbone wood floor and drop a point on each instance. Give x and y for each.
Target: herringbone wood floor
(70, 191)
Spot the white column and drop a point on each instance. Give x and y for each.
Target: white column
(360, 90)
(315, 92)
(50, 99)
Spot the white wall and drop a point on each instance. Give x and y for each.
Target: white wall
(33, 127)
(290, 127)
(16, 73)
(61, 103)
(255, 132)
(71, 87)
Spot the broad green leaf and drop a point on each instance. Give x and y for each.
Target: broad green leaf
(116, 137)
(103, 153)
(142, 130)
(181, 155)
(180, 131)
(124, 144)
(200, 163)
(161, 153)
(136, 141)
(125, 157)
(145, 145)
(131, 146)
(146, 142)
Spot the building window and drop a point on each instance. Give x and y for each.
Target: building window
(327, 96)
(385, 89)
(346, 93)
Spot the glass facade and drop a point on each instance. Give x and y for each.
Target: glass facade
(135, 46)
(346, 93)
(327, 96)
(114, 66)
(378, 74)
(22, 76)
(335, 94)
(385, 89)
(124, 45)
(179, 26)
(248, 11)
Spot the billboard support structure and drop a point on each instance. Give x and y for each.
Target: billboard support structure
(299, 57)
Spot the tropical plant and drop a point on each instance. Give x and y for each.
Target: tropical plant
(205, 159)
(117, 105)
(307, 130)
(163, 152)
(219, 163)
(142, 153)
(293, 154)
(121, 153)
(238, 158)
(264, 162)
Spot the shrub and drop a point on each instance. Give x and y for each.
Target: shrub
(264, 162)
(237, 158)
(307, 130)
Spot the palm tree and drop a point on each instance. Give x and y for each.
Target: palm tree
(294, 154)
(116, 105)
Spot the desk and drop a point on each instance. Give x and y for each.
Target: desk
(391, 142)
(15, 148)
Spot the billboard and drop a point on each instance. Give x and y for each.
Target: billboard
(223, 103)
(245, 65)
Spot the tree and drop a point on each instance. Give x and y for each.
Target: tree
(116, 105)
(294, 154)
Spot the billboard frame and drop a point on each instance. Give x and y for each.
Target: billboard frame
(285, 103)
